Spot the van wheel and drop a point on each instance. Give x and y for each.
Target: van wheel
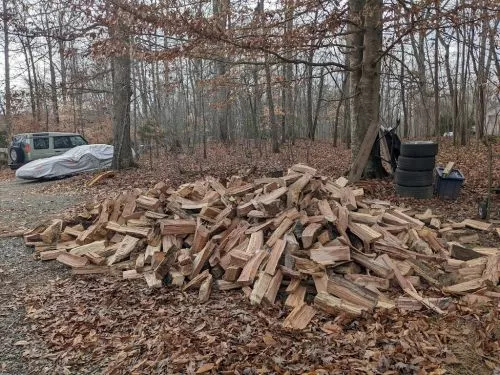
(16, 155)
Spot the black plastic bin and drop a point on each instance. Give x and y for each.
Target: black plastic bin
(448, 187)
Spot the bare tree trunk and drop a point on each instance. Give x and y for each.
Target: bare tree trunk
(406, 122)
(366, 90)
(220, 9)
(122, 91)
(272, 114)
(38, 94)
(53, 84)
(30, 81)
(482, 76)
(8, 95)
(436, 78)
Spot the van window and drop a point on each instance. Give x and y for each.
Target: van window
(62, 142)
(76, 140)
(40, 143)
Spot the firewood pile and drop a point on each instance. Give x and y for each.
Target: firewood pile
(312, 242)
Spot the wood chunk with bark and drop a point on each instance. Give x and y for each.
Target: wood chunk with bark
(196, 281)
(51, 234)
(151, 280)
(377, 268)
(200, 237)
(310, 234)
(177, 227)
(95, 246)
(326, 210)
(232, 273)
(351, 292)
(347, 199)
(250, 270)
(279, 232)
(341, 182)
(479, 225)
(150, 250)
(131, 275)
(51, 254)
(364, 232)
(467, 286)
(407, 287)
(462, 253)
(329, 255)
(205, 289)
(256, 242)
(124, 249)
(333, 305)
(273, 287)
(201, 258)
(368, 281)
(302, 168)
(163, 267)
(148, 203)
(296, 298)
(73, 261)
(295, 190)
(275, 256)
(260, 287)
(299, 317)
(72, 231)
(491, 272)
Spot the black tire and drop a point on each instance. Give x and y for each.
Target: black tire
(419, 149)
(413, 178)
(16, 155)
(421, 192)
(416, 164)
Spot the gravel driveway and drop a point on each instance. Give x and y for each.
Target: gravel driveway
(21, 206)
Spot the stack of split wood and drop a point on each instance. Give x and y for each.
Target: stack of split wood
(304, 239)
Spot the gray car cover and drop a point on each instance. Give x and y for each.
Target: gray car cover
(78, 159)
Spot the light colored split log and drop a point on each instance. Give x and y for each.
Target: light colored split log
(73, 261)
(124, 249)
(279, 232)
(205, 289)
(148, 203)
(299, 317)
(351, 292)
(250, 270)
(177, 227)
(302, 168)
(152, 280)
(329, 255)
(333, 305)
(51, 254)
(479, 225)
(296, 298)
(275, 256)
(260, 287)
(295, 190)
(95, 246)
(201, 258)
(273, 288)
(326, 211)
(309, 234)
(52, 232)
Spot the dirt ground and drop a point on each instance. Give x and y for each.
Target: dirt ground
(53, 323)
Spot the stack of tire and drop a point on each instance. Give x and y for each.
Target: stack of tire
(415, 171)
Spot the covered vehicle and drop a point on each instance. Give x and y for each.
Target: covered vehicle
(78, 159)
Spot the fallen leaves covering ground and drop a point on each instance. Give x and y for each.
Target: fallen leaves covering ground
(118, 327)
